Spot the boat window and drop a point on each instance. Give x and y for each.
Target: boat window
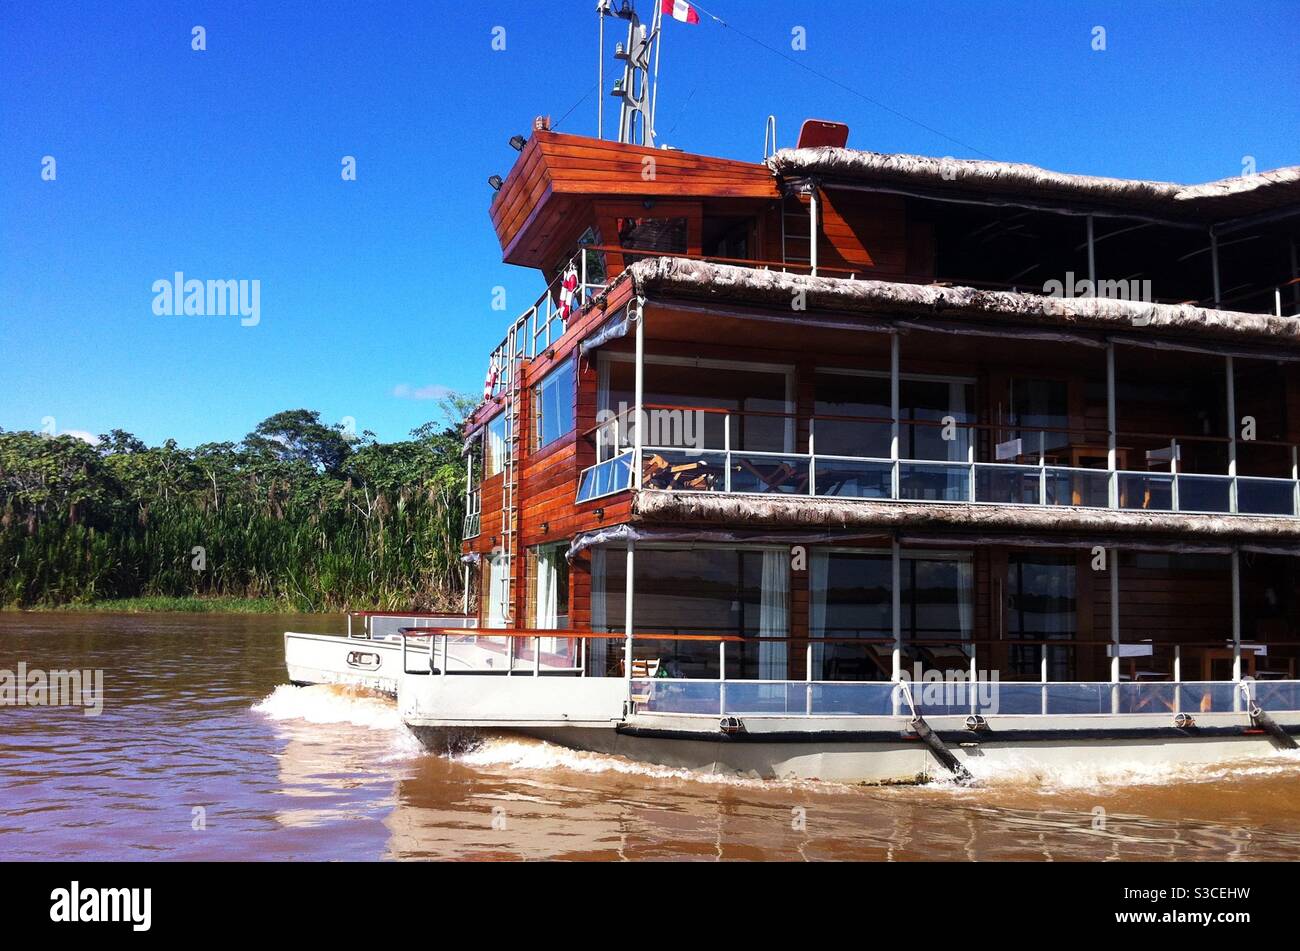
(498, 431)
(1041, 606)
(727, 238)
(928, 400)
(1038, 409)
(850, 607)
(497, 569)
(663, 235)
(703, 590)
(756, 398)
(553, 406)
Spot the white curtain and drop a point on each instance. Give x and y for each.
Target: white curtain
(773, 614)
(966, 595)
(819, 574)
(496, 445)
(597, 647)
(498, 567)
(548, 602)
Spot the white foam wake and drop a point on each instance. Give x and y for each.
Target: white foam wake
(523, 753)
(1022, 771)
(329, 703)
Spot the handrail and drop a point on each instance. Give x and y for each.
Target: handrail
(568, 635)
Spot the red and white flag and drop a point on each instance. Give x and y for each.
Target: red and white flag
(680, 10)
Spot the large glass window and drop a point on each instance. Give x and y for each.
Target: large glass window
(703, 590)
(554, 399)
(757, 399)
(498, 444)
(851, 609)
(1040, 410)
(866, 397)
(1042, 605)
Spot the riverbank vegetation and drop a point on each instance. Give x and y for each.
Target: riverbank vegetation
(298, 515)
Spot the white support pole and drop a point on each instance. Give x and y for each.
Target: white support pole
(812, 230)
(657, 34)
(1113, 556)
(628, 589)
(1236, 617)
(600, 72)
(1112, 439)
(464, 598)
(894, 400)
(639, 414)
(896, 609)
(1231, 387)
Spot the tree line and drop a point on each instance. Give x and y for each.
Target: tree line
(301, 512)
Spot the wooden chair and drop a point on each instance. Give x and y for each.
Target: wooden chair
(645, 669)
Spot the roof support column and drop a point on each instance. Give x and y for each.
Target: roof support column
(628, 589)
(894, 346)
(1112, 442)
(1230, 384)
(1113, 568)
(639, 414)
(896, 608)
(1236, 618)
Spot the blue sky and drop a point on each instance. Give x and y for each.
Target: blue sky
(226, 163)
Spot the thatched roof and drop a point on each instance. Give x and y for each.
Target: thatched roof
(734, 285)
(1213, 201)
(751, 512)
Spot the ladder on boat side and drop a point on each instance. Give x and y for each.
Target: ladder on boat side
(796, 231)
(512, 375)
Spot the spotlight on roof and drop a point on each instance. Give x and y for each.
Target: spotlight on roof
(495, 182)
(517, 142)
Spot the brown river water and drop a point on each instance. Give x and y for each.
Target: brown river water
(203, 751)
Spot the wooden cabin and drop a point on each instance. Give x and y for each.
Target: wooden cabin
(842, 414)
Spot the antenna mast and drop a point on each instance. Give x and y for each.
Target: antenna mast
(640, 74)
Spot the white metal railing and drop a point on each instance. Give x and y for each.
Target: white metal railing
(546, 321)
(740, 471)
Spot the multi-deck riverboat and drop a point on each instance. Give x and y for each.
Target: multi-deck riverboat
(863, 466)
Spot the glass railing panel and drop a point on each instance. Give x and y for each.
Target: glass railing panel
(684, 470)
(944, 698)
(1007, 485)
(933, 482)
(1198, 493)
(1087, 488)
(677, 696)
(1197, 698)
(854, 478)
(1276, 694)
(1157, 696)
(856, 699)
(612, 475)
(769, 473)
(1009, 698)
(1152, 491)
(1265, 496)
(775, 697)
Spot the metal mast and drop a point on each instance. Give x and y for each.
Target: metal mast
(634, 88)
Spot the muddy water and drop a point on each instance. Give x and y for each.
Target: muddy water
(203, 752)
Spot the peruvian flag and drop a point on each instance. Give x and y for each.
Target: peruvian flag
(680, 10)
